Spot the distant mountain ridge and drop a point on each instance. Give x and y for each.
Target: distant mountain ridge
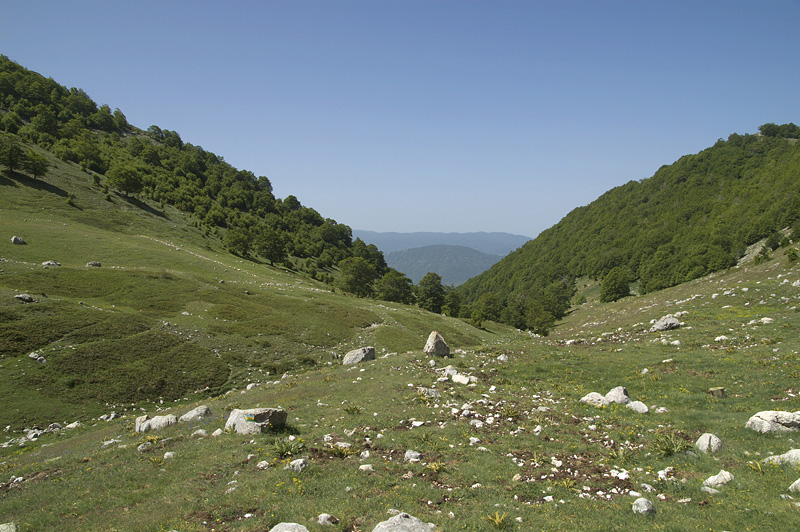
(455, 264)
(495, 243)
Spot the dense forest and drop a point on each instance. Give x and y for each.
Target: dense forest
(693, 217)
(234, 205)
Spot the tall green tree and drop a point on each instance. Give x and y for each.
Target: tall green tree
(395, 286)
(356, 276)
(616, 285)
(11, 153)
(269, 243)
(430, 292)
(124, 177)
(35, 164)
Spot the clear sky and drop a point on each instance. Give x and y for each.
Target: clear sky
(429, 115)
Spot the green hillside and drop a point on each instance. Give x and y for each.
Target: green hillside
(691, 218)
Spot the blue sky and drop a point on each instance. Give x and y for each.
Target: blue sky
(429, 115)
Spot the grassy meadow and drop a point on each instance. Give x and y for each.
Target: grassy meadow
(171, 321)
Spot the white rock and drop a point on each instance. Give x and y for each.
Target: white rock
(359, 355)
(795, 487)
(255, 420)
(262, 465)
(643, 506)
(412, 456)
(169, 455)
(366, 467)
(595, 399)
(8, 527)
(710, 491)
(666, 323)
(722, 338)
(618, 395)
(774, 422)
(217, 432)
(638, 407)
(403, 522)
(199, 433)
(327, 519)
(200, 412)
(708, 443)
(720, 479)
(296, 466)
(436, 346)
(791, 457)
(288, 527)
(146, 423)
(458, 378)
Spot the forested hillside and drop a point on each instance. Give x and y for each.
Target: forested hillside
(235, 205)
(692, 217)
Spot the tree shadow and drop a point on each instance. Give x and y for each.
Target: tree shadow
(38, 184)
(136, 202)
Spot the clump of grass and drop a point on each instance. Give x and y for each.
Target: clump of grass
(287, 447)
(669, 443)
(353, 409)
(343, 452)
(500, 522)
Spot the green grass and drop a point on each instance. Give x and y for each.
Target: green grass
(156, 324)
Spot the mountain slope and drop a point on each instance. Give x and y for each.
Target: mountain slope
(489, 243)
(455, 264)
(692, 217)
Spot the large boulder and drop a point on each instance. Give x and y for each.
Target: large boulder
(359, 355)
(666, 323)
(146, 423)
(255, 420)
(404, 522)
(200, 412)
(436, 346)
(643, 506)
(774, 422)
(708, 443)
(791, 457)
(618, 395)
(288, 527)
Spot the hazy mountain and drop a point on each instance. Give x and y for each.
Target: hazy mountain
(455, 264)
(491, 243)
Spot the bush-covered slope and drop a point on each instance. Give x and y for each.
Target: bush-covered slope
(692, 217)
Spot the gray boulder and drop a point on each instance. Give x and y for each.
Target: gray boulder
(359, 355)
(8, 527)
(774, 422)
(792, 458)
(436, 346)
(708, 443)
(288, 527)
(404, 522)
(638, 407)
(618, 395)
(795, 487)
(594, 399)
(412, 456)
(666, 323)
(146, 423)
(643, 506)
(200, 412)
(295, 466)
(255, 420)
(18, 240)
(720, 479)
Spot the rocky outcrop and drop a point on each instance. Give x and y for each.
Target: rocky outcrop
(255, 420)
(436, 346)
(146, 423)
(359, 355)
(666, 323)
(774, 422)
(200, 412)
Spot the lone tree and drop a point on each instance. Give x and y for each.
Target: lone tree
(616, 285)
(35, 164)
(11, 154)
(124, 177)
(430, 292)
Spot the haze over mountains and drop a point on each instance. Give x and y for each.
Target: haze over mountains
(490, 243)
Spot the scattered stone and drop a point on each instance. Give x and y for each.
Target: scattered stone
(200, 412)
(429, 393)
(199, 433)
(146, 423)
(792, 457)
(366, 467)
(216, 433)
(502, 358)
(73, 425)
(255, 420)
(25, 298)
(412, 456)
(436, 346)
(720, 479)
(51, 263)
(252, 385)
(169, 455)
(708, 443)
(262, 465)
(595, 399)
(144, 446)
(666, 323)
(404, 522)
(18, 240)
(722, 338)
(359, 355)
(643, 506)
(710, 491)
(774, 422)
(459, 378)
(288, 527)
(93, 264)
(638, 407)
(327, 519)
(618, 395)
(296, 466)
